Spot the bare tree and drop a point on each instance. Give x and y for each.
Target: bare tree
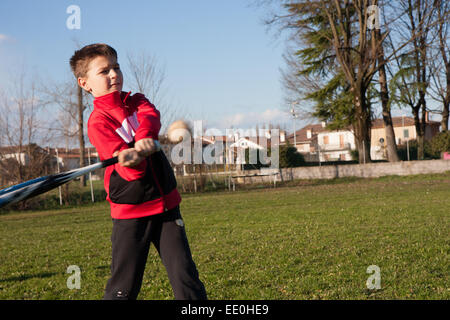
(146, 75)
(63, 97)
(23, 121)
(440, 65)
(391, 145)
(23, 128)
(412, 79)
(72, 103)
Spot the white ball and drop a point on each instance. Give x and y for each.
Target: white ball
(178, 131)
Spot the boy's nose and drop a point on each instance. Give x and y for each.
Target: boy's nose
(113, 74)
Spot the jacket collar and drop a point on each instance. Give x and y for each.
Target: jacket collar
(111, 100)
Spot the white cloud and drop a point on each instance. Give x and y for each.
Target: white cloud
(235, 119)
(271, 115)
(5, 38)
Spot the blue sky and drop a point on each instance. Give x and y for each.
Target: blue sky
(222, 64)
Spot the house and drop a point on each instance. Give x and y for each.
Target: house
(306, 140)
(25, 154)
(336, 145)
(18, 162)
(69, 159)
(404, 130)
(15, 152)
(242, 144)
(236, 142)
(234, 146)
(316, 142)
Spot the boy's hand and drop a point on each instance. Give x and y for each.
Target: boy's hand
(145, 147)
(128, 157)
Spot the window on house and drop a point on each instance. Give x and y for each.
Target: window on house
(325, 140)
(405, 133)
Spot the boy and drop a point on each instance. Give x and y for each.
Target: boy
(141, 188)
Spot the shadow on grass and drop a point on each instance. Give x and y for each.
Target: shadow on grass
(29, 276)
(373, 293)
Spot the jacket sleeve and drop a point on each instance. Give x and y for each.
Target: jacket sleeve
(148, 117)
(107, 141)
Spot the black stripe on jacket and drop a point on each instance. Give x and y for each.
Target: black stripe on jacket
(159, 176)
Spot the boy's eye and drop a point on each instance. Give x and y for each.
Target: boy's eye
(106, 71)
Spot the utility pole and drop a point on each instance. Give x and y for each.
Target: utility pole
(59, 171)
(294, 116)
(90, 176)
(81, 108)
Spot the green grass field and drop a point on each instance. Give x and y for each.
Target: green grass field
(306, 240)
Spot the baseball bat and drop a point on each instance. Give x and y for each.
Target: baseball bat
(34, 187)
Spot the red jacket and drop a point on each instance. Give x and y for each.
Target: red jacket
(117, 121)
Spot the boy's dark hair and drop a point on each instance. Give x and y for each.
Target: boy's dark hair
(81, 58)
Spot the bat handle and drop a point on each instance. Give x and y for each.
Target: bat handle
(114, 160)
(110, 161)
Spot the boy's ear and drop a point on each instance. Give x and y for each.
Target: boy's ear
(82, 82)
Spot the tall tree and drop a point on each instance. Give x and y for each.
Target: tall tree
(72, 102)
(391, 145)
(64, 96)
(412, 79)
(440, 73)
(341, 48)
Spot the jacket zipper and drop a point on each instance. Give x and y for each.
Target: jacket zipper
(150, 163)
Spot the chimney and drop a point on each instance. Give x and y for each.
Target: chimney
(308, 134)
(427, 117)
(324, 124)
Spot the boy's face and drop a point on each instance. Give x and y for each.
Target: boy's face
(103, 76)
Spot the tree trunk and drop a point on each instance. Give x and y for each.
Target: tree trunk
(362, 127)
(81, 134)
(392, 154)
(388, 126)
(423, 123)
(420, 148)
(443, 33)
(445, 109)
(390, 136)
(444, 121)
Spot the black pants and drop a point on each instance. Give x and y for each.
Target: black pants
(131, 240)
